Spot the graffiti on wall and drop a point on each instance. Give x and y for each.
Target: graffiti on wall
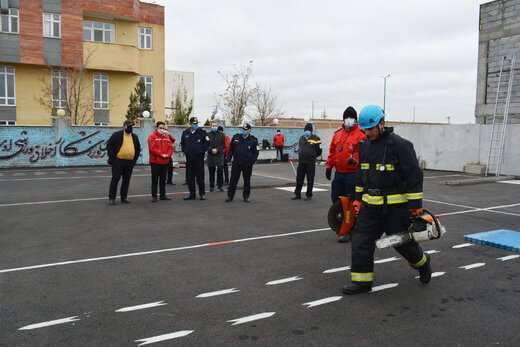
(86, 145)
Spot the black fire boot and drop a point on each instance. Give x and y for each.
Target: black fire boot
(357, 288)
(425, 271)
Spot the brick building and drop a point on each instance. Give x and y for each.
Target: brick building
(499, 37)
(109, 44)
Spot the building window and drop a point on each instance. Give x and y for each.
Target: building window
(98, 32)
(7, 122)
(52, 25)
(59, 89)
(147, 80)
(10, 21)
(100, 91)
(145, 38)
(7, 86)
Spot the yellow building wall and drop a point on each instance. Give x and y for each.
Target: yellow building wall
(30, 82)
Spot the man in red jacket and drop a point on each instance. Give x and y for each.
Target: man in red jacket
(161, 149)
(278, 143)
(226, 155)
(344, 157)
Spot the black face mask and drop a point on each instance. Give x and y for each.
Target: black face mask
(128, 129)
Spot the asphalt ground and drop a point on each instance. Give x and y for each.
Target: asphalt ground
(69, 261)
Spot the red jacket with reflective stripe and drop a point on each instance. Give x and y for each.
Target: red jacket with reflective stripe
(160, 147)
(345, 145)
(278, 140)
(227, 146)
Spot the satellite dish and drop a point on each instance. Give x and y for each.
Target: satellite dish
(146, 114)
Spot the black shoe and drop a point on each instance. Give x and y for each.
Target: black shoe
(211, 189)
(125, 201)
(357, 288)
(165, 198)
(112, 202)
(171, 184)
(296, 197)
(154, 199)
(345, 238)
(229, 200)
(425, 272)
(221, 189)
(190, 197)
(247, 201)
(308, 198)
(202, 197)
(185, 184)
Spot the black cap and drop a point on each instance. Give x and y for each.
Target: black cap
(128, 123)
(350, 112)
(308, 127)
(220, 128)
(246, 126)
(194, 120)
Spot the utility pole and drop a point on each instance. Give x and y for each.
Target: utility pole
(312, 115)
(414, 113)
(384, 92)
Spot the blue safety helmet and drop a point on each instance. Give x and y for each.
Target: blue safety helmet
(370, 116)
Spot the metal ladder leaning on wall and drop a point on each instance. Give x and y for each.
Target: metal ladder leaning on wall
(500, 121)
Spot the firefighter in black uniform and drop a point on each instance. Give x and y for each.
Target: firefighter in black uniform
(243, 153)
(388, 193)
(194, 144)
(309, 149)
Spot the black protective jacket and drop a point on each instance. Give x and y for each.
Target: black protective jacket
(115, 142)
(389, 172)
(194, 144)
(244, 150)
(309, 148)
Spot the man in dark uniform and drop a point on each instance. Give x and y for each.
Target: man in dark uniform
(243, 153)
(194, 144)
(309, 148)
(389, 191)
(217, 142)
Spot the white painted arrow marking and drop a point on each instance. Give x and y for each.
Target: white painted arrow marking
(217, 293)
(142, 307)
(50, 323)
(384, 287)
(284, 280)
(463, 245)
(386, 260)
(312, 304)
(509, 257)
(435, 274)
(252, 318)
(339, 269)
(472, 266)
(432, 252)
(164, 337)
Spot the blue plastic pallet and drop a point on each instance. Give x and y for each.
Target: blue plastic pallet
(503, 239)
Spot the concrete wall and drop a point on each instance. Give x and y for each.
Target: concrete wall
(450, 147)
(62, 145)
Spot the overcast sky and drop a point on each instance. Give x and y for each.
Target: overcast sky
(334, 52)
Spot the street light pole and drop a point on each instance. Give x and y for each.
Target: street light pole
(384, 93)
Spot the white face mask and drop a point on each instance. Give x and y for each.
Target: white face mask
(349, 122)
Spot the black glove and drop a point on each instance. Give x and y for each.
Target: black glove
(351, 161)
(328, 174)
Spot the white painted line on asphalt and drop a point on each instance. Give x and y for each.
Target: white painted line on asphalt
(165, 337)
(387, 260)
(435, 274)
(304, 189)
(50, 323)
(433, 251)
(472, 266)
(510, 182)
(142, 307)
(252, 318)
(284, 280)
(509, 257)
(492, 209)
(19, 174)
(464, 245)
(445, 176)
(81, 172)
(59, 178)
(338, 269)
(39, 173)
(320, 302)
(128, 255)
(218, 293)
(384, 287)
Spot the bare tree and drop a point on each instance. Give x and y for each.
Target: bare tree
(237, 94)
(182, 106)
(69, 89)
(266, 104)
